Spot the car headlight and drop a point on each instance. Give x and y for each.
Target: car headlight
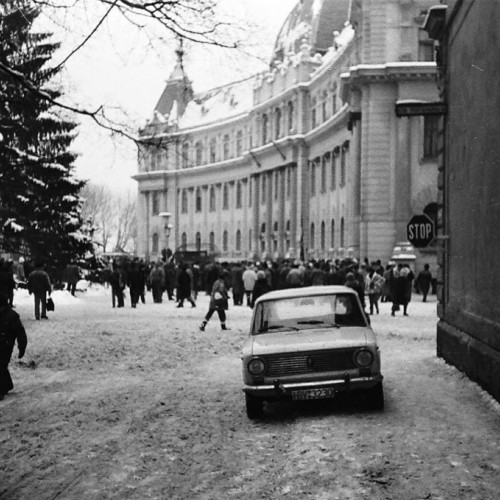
(364, 358)
(256, 366)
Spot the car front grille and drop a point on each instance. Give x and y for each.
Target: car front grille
(287, 364)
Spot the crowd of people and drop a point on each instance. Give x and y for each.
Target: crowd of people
(244, 282)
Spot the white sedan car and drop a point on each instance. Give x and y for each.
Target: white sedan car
(310, 343)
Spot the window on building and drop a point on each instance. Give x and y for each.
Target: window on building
(324, 103)
(431, 136)
(211, 203)
(265, 128)
(185, 155)
(250, 242)
(238, 241)
(198, 207)
(323, 235)
(225, 197)
(155, 203)
(225, 241)
(290, 113)
(312, 243)
(184, 241)
(287, 239)
(184, 201)
(211, 241)
(276, 184)
(313, 177)
(333, 159)
(153, 160)
(342, 232)
(198, 241)
(250, 191)
(324, 161)
(250, 138)
(288, 182)
(277, 123)
(238, 195)
(225, 147)
(332, 234)
(155, 243)
(334, 98)
(239, 143)
(263, 194)
(213, 150)
(343, 160)
(313, 112)
(199, 153)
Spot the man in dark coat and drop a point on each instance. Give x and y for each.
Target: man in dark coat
(39, 285)
(11, 330)
(237, 281)
(136, 283)
(423, 282)
(184, 286)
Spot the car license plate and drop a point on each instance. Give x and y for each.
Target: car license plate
(322, 393)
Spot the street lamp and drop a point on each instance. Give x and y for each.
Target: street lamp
(166, 225)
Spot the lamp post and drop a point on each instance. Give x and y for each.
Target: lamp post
(167, 226)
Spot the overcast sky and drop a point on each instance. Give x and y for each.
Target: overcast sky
(125, 69)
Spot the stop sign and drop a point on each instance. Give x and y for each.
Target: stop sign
(420, 231)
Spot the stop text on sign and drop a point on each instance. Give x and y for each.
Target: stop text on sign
(420, 231)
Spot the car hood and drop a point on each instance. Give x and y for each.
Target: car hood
(310, 340)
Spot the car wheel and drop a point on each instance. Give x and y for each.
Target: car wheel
(255, 406)
(375, 397)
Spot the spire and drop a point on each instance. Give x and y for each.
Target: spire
(178, 88)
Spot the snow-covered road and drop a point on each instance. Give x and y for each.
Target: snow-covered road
(138, 403)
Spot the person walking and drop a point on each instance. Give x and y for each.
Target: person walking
(423, 282)
(39, 285)
(373, 287)
(117, 286)
(218, 302)
(11, 331)
(353, 283)
(237, 283)
(157, 280)
(72, 275)
(184, 286)
(401, 292)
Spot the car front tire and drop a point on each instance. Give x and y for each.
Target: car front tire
(254, 406)
(375, 397)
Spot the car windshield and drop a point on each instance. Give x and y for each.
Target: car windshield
(304, 313)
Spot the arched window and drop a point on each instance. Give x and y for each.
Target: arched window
(324, 160)
(250, 242)
(343, 161)
(238, 240)
(265, 128)
(290, 113)
(212, 199)
(239, 143)
(199, 153)
(198, 241)
(332, 234)
(211, 241)
(238, 195)
(263, 194)
(324, 101)
(276, 184)
(213, 150)
(313, 176)
(184, 201)
(323, 235)
(155, 243)
(225, 197)
(184, 241)
(277, 123)
(198, 199)
(224, 241)
(313, 112)
(334, 98)
(185, 155)
(342, 232)
(312, 243)
(225, 147)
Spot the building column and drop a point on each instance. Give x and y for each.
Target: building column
(281, 212)
(255, 181)
(269, 213)
(402, 191)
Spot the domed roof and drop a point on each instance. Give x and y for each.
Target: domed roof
(313, 21)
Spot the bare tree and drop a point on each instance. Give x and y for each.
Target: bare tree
(126, 221)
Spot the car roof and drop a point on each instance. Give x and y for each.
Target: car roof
(307, 291)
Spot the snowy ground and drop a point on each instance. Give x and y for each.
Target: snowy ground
(137, 403)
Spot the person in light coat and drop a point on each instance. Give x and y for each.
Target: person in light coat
(373, 287)
(249, 278)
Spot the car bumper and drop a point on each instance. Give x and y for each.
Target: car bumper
(284, 390)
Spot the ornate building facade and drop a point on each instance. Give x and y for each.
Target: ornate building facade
(307, 159)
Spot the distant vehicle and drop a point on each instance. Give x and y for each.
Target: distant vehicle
(310, 343)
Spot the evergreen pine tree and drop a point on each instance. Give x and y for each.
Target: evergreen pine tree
(39, 196)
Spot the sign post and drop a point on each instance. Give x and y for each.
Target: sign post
(420, 231)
